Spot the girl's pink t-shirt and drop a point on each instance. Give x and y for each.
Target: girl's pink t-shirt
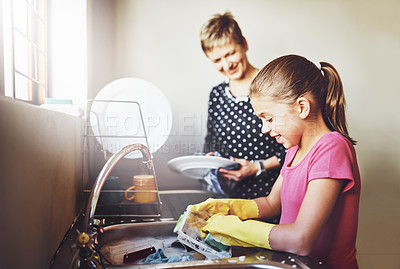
(333, 156)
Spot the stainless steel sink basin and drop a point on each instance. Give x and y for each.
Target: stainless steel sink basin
(118, 240)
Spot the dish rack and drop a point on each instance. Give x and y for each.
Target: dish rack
(188, 229)
(112, 207)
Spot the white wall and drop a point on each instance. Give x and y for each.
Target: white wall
(158, 40)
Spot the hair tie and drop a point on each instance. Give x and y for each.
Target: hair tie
(318, 65)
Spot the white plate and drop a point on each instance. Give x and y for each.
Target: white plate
(123, 119)
(197, 166)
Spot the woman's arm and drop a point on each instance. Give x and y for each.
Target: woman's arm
(301, 236)
(271, 163)
(248, 168)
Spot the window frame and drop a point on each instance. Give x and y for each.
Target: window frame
(36, 73)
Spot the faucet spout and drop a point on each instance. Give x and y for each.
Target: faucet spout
(101, 178)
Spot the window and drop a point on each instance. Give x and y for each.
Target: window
(25, 49)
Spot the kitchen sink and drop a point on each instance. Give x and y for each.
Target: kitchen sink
(120, 239)
(126, 236)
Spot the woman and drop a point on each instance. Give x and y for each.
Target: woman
(233, 130)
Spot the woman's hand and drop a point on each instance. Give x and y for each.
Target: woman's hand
(247, 169)
(213, 153)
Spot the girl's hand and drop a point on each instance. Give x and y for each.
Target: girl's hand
(232, 231)
(247, 169)
(243, 208)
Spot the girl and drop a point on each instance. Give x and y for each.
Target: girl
(301, 105)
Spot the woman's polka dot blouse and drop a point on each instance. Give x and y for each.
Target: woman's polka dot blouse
(234, 130)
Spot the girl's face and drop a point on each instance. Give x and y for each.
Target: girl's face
(281, 121)
(230, 59)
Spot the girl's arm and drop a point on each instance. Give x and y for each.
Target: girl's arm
(299, 237)
(270, 206)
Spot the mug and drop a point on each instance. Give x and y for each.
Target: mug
(143, 183)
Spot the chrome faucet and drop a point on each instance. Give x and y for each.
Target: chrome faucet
(101, 178)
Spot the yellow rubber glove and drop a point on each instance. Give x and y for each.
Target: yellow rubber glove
(230, 230)
(243, 208)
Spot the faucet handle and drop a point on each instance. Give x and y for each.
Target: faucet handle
(83, 239)
(89, 256)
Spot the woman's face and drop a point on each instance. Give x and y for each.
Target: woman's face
(230, 59)
(281, 121)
